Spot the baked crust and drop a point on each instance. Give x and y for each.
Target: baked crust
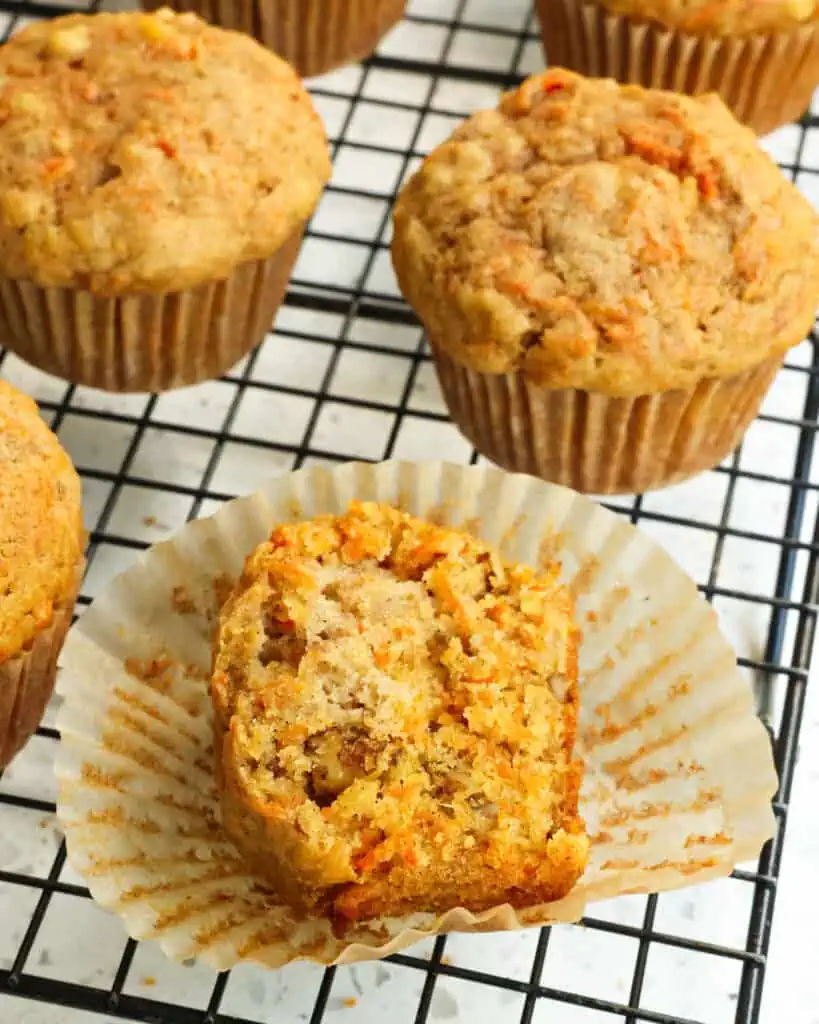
(149, 152)
(722, 18)
(395, 712)
(606, 238)
(41, 537)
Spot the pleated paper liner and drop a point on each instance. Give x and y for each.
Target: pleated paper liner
(679, 772)
(147, 341)
(314, 36)
(27, 680)
(596, 443)
(766, 79)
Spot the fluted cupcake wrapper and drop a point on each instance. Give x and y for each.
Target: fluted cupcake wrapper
(766, 79)
(27, 680)
(679, 773)
(146, 341)
(313, 35)
(597, 444)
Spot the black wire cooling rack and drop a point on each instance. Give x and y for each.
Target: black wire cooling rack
(346, 375)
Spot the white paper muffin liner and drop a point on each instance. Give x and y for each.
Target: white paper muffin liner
(679, 771)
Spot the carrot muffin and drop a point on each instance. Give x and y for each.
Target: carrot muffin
(395, 711)
(761, 56)
(314, 35)
(41, 542)
(609, 278)
(156, 177)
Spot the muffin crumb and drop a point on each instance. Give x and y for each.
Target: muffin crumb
(395, 715)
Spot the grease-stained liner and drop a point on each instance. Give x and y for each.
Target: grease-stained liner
(679, 772)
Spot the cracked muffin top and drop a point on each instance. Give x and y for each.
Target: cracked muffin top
(720, 17)
(41, 534)
(398, 704)
(607, 238)
(149, 152)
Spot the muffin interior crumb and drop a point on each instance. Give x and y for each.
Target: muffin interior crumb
(401, 693)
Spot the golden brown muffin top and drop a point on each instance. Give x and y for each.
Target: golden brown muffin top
(719, 17)
(40, 522)
(149, 152)
(401, 692)
(608, 238)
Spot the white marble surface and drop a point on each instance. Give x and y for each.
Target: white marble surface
(79, 943)
(792, 988)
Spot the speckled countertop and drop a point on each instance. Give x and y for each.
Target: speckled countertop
(143, 475)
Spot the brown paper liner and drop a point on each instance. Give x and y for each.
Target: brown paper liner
(145, 342)
(27, 680)
(596, 444)
(766, 79)
(313, 35)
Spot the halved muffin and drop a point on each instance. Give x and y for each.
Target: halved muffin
(395, 712)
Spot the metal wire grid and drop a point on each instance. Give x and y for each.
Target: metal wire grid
(345, 376)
